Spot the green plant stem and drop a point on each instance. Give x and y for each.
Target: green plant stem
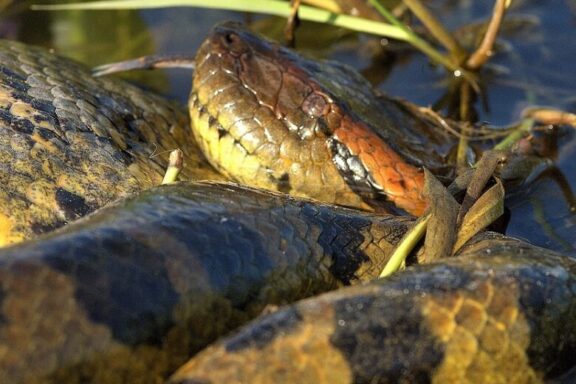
(175, 164)
(396, 31)
(515, 135)
(465, 102)
(271, 7)
(405, 246)
(423, 45)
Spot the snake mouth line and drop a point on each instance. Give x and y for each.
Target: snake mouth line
(281, 181)
(213, 123)
(351, 168)
(354, 172)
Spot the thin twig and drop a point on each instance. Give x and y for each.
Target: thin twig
(463, 129)
(550, 116)
(423, 45)
(175, 164)
(292, 23)
(484, 51)
(444, 124)
(146, 62)
(465, 102)
(437, 29)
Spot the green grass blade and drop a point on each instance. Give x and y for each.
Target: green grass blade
(517, 134)
(271, 7)
(418, 42)
(406, 245)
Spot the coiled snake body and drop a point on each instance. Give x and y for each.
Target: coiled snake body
(129, 293)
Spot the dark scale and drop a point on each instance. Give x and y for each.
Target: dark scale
(40, 228)
(43, 106)
(132, 300)
(284, 322)
(10, 74)
(337, 239)
(321, 127)
(45, 118)
(357, 175)
(22, 96)
(6, 116)
(13, 80)
(202, 110)
(375, 327)
(122, 156)
(3, 319)
(72, 205)
(282, 182)
(45, 133)
(22, 125)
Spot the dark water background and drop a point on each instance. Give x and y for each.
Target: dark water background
(534, 65)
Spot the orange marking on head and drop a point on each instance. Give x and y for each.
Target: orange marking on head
(403, 183)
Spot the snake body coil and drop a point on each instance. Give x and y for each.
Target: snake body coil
(132, 291)
(70, 143)
(500, 312)
(129, 293)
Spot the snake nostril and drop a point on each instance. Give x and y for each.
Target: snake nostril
(232, 43)
(230, 39)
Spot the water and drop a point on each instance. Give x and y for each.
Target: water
(533, 66)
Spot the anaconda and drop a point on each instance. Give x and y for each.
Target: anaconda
(70, 142)
(500, 312)
(127, 294)
(268, 117)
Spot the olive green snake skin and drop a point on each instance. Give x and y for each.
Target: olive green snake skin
(71, 143)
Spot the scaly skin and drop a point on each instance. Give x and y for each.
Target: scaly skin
(129, 293)
(70, 143)
(267, 117)
(502, 312)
